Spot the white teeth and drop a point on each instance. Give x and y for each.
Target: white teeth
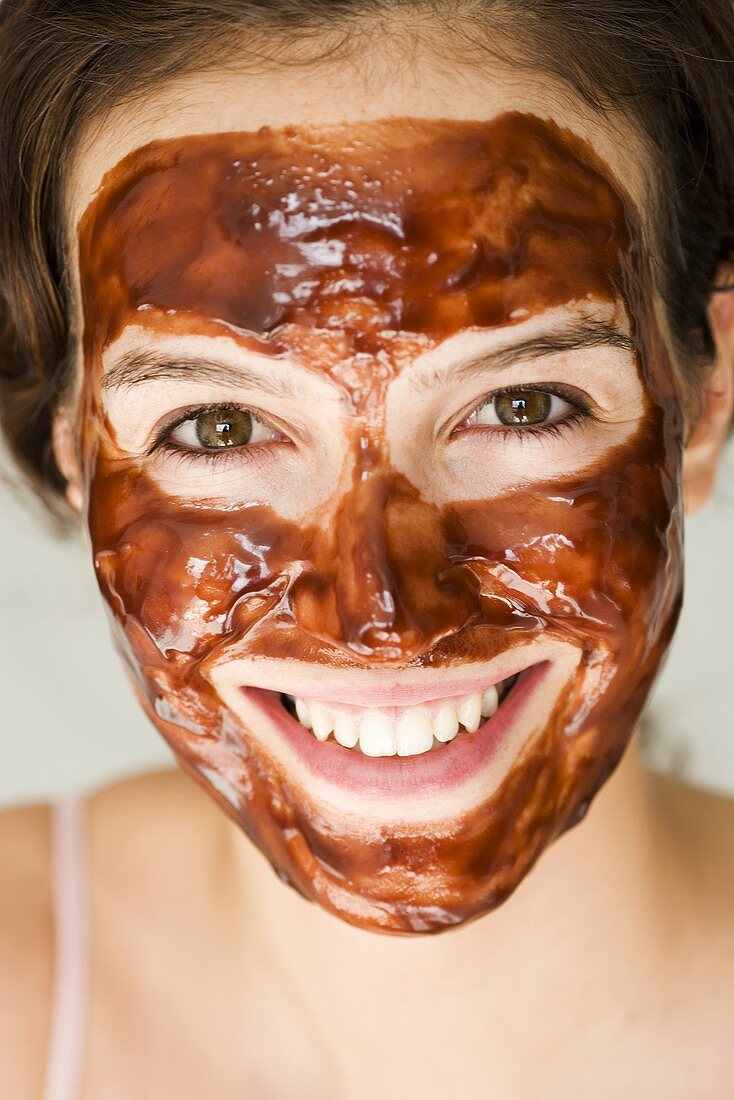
(322, 722)
(376, 734)
(490, 702)
(304, 713)
(470, 712)
(414, 733)
(346, 732)
(446, 723)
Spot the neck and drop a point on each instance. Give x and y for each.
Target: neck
(589, 913)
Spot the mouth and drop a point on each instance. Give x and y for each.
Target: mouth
(399, 731)
(420, 752)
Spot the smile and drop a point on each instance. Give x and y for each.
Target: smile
(467, 756)
(480, 720)
(399, 731)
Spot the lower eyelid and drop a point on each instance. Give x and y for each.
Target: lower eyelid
(223, 457)
(552, 429)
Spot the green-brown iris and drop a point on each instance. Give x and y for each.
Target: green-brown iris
(523, 407)
(224, 428)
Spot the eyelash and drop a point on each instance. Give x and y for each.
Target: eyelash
(555, 430)
(224, 457)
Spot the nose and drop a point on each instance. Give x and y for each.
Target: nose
(380, 584)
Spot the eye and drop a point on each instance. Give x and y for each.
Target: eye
(521, 408)
(218, 427)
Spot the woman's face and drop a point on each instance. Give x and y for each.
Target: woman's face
(380, 449)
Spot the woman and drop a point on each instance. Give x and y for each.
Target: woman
(376, 349)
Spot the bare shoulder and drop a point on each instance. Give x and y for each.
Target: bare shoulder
(121, 819)
(700, 824)
(123, 815)
(159, 827)
(26, 932)
(702, 821)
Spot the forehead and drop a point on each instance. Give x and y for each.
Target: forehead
(333, 94)
(198, 116)
(397, 225)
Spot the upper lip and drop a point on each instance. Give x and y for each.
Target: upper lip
(372, 688)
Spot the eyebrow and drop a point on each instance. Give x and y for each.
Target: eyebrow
(139, 367)
(578, 336)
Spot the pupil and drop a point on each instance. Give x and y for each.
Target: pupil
(224, 428)
(530, 407)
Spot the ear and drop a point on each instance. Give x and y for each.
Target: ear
(67, 460)
(703, 450)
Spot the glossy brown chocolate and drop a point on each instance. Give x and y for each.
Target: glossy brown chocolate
(422, 228)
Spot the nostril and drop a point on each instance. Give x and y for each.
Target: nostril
(368, 629)
(314, 606)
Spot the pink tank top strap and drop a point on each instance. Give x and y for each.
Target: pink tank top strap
(71, 920)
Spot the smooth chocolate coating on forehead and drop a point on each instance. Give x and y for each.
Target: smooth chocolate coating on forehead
(358, 235)
(412, 225)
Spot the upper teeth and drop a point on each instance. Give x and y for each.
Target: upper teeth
(412, 731)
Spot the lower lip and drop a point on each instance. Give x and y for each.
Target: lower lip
(428, 773)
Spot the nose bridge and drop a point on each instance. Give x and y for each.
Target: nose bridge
(381, 586)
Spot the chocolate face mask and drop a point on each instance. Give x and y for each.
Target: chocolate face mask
(352, 252)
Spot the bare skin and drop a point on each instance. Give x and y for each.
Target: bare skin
(610, 978)
(609, 972)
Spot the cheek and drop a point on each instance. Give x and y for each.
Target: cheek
(598, 556)
(178, 581)
(185, 575)
(591, 550)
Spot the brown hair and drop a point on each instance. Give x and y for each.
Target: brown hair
(667, 65)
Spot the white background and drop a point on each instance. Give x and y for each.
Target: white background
(69, 720)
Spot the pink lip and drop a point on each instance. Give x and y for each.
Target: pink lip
(397, 695)
(426, 774)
